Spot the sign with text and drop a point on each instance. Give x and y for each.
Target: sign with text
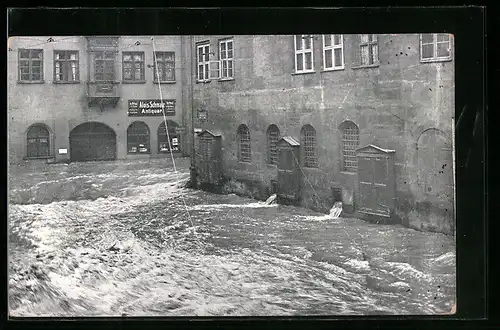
(137, 108)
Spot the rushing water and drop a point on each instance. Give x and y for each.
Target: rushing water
(114, 238)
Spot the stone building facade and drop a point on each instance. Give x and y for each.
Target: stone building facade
(334, 95)
(95, 98)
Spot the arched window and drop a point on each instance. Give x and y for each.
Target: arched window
(138, 138)
(163, 144)
(273, 135)
(38, 141)
(350, 142)
(309, 147)
(244, 148)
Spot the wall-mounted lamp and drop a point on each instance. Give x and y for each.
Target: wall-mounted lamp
(137, 43)
(50, 39)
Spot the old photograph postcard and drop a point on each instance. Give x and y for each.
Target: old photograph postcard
(231, 175)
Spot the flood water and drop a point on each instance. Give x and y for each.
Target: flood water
(126, 237)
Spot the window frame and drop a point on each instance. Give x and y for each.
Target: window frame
(205, 63)
(244, 157)
(347, 158)
(163, 63)
(272, 154)
(97, 59)
(435, 58)
(38, 137)
(303, 52)
(227, 60)
(369, 44)
(135, 134)
(30, 66)
(65, 64)
(332, 47)
(309, 161)
(141, 64)
(172, 125)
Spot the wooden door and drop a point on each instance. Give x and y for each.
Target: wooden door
(287, 175)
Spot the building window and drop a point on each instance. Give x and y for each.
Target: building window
(166, 66)
(333, 51)
(226, 58)
(66, 66)
(163, 138)
(138, 138)
(104, 66)
(273, 135)
(310, 151)
(304, 53)
(133, 66)
(350, 143)
(30, 65)
(203, 62)
(244, 147)
(38, 141)
(368, 49)
(435, 47)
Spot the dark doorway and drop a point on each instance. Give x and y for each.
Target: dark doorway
(92, 141)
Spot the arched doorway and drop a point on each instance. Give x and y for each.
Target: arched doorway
(175, 142)
(92, 141)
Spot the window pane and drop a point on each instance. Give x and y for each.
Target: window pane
(138, 74)
(374, 53)
(298, 42)
(443, 37)
(24, 53)
(109, 55)
(229, 45)
(428, 51)
(364, 55)
(328, 58)
(443, 49)
(308, 61)
(328, 40)
(206, 53)
(230, 72)
(223, 55)
(307, 42)
(336, 39)
(127, 57)
(373, 37)
(223, 47)
(230, 53)
(200, 54)
(300, 63)
(230, 64)
(73, 56)
(36, 54)
(338, 57)
(427, 38)
(364, 38)
(206, 72)
(138, 57)
(170, 75)
(74, 72)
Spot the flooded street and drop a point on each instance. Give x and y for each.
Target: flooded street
(114, 238)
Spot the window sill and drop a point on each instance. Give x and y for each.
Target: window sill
(31, 82)
(97, 82)
(272, 165)
(225, 79)
(203, 81)
(164, 82)
(168, 152)
(368, 66)
(34, 158)
(244, 162)
(133, 81)
(436, 60)
(333, 69)
(302, 72)
(66, 82)
(348, 173)
(139, 153)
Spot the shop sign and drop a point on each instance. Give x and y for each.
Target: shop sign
(138, 108)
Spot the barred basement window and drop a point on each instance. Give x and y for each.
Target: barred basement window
(368, 49)
(308, 142)
(104, 65)
(66, 66)
(30, 65)
(133, 66)
(138, 138)
(166, 66)
(244, 148)
(38, 141)
(350, 142)
(273, 135)
(163, 139)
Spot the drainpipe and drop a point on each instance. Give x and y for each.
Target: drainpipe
(192, 168)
